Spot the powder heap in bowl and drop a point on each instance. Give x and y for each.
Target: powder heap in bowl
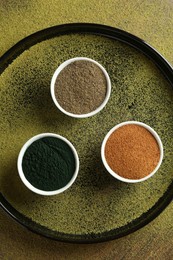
(48, 164)
(132, 152)
(81, 87)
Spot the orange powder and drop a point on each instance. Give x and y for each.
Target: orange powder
(132, 152)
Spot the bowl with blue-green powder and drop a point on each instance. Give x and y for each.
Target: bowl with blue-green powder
(48, 164)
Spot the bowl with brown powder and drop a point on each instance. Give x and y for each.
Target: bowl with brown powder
(132, 152)
(80, 87)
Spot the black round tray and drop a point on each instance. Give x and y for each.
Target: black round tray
(166, 70)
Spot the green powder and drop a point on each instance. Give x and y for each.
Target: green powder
(48, 164)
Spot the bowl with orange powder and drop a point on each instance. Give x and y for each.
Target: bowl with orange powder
(132, 151)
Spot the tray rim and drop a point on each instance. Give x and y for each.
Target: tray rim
(115, 34)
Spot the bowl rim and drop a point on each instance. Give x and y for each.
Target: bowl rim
(21, 173)
(114, 174)
(57, 72)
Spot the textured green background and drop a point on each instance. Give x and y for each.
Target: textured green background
(150, 20)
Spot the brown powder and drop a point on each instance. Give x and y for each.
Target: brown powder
(80, 87)
(132, 151)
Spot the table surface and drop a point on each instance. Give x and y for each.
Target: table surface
(151, 20)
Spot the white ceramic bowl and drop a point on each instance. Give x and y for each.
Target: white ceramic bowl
(21, 173)
(55, 75)
(114, 174)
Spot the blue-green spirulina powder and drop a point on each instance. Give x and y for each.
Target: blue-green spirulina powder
(49, 163)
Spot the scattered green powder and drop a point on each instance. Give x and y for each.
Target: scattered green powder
(81, 87)
(49, 164)
(96, 202)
